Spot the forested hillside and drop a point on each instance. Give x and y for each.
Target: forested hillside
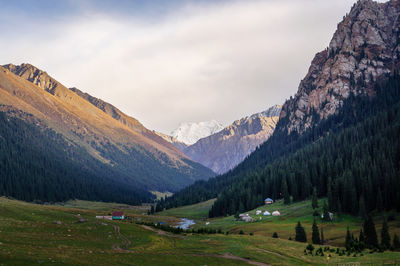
(352, 154)
(117, 146)
(37, 164)
(338, 133)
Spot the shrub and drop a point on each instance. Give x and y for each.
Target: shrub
(310, 248)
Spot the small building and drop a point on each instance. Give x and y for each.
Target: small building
(268, 201)
(266, 213)
(118, 215)
(104, 217)
(330, 216)
(247, 219)
(258, 212)
(276, 213)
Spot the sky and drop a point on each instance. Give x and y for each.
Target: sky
(165, 62)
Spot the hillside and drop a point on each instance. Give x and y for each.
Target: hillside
(70, 235)
(363, 51)
(132, 155)
(339, 152)
(225, 149)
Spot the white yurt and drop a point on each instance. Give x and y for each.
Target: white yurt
(267, 213)
(258, 212)
(276, 213)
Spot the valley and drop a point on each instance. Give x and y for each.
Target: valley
(310, 180)
(69, 234)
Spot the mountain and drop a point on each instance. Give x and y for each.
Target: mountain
(364, 48)
(225, 149)
(189, 133)
(178, 144)
(338, 134)
(127, 152)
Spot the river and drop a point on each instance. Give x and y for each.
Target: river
(185, 223)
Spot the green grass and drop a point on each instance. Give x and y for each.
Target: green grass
(284, 225)
(197, 211)
(32, 234)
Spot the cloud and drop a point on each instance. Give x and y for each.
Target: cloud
(199, 61)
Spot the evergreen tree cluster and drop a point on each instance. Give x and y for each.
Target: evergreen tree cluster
(351, 157)
(37, 164)
(368, 238)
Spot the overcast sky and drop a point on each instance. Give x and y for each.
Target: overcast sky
(166, 62)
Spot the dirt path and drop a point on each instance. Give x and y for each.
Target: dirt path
(125, 241)
(270, 252)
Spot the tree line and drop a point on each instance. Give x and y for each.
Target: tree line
(37, 164)
(351, 158)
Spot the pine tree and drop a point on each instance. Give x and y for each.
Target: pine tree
(385, 237)
(152, 209)
(349, 241)
(314, 202)
(285, 192)
(322, 236)
(379, 201)
(361, 207)
(339, 208)
(300, 233)
(275, 235)
(361, 238)
(371, 239)
(396, 242)
(315, 233)
(241, 207)
(330, 195)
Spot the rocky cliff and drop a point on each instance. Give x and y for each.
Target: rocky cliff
(364, 50)
(224, 150)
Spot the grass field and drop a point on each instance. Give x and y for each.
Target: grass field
(284, 225)
(33, 234)
(196, 212)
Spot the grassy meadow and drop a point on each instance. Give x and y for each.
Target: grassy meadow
(69, 234)
(196, 212)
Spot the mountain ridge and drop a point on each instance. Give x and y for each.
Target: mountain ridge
(49, 84)
(363, 49)
(225, 149)
(346, 93)
(108, 140)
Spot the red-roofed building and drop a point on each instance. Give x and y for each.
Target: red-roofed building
(117, 215)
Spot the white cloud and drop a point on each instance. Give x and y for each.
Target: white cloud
(200, 62)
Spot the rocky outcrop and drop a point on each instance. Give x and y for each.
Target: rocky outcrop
(363, 50)
(224, 150)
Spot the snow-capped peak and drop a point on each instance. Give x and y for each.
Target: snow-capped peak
(191, 132)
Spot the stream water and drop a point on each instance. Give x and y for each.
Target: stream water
(185, 223)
